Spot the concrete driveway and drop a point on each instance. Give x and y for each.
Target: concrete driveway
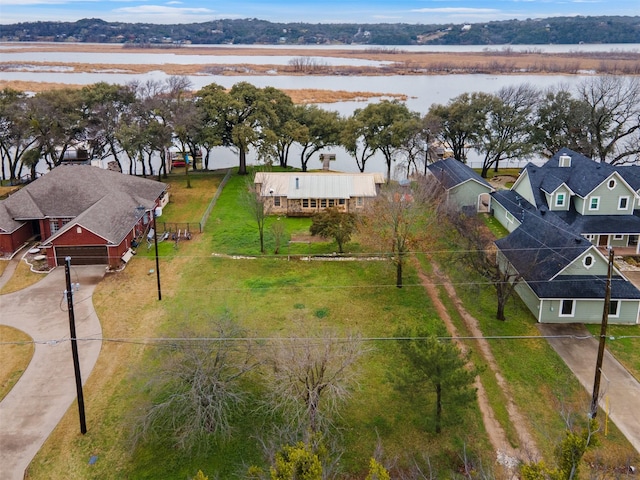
(35, 405)
(579, 350)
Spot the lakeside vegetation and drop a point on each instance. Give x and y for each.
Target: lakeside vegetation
(270, 296)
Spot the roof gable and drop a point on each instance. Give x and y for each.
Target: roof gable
(451, 173)
(542, 246)
(100, 200)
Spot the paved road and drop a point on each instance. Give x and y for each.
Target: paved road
(616, 384)
(35, 405)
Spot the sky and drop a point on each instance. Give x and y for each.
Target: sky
(318, 11)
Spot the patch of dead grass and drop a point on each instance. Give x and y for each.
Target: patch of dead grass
(23, 277)
(16, 350)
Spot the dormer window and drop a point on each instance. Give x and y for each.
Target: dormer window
(564, 161)
(612, 184)
(560, 199)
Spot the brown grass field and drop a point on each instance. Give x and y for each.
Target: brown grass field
(506, 61)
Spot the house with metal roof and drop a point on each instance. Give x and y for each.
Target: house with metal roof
(304, 194)
(462, 185)
(597, 200)
(85, 212)
(562, 275)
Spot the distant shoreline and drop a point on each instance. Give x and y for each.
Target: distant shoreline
(308, 62)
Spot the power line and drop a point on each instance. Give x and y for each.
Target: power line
(163, 341)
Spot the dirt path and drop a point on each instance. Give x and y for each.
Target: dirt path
(506, 454)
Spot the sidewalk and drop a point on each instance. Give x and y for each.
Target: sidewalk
(617, 385)
(46, 390)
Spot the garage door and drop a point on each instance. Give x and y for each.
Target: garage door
(83, 255)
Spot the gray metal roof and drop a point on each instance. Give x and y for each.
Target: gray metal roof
(296, 185)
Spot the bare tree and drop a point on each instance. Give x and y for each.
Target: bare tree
(257, 205)
(613, 117)
(398, 220)
(195, 385)
(311, 377)
(479, 253)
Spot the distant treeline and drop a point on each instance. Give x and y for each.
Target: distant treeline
(554, 30)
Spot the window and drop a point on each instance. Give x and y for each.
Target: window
(588, 261)
(305, 203)
(510, 218)
(276, 201)
(313, 202)
(614, 308)
(359, 201)
(623, 203)
(611, 184)
(618, 237)
(567, 308)
(323, 203)
(341, 201)
(594, 203)
(57, 223)
(560, 199)
(332, 202)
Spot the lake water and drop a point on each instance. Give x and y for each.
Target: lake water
(421, 91)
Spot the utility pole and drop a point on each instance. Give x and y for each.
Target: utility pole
(74, 345)
(155, 241)
(603, 338)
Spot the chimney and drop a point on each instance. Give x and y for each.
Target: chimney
(564, 161)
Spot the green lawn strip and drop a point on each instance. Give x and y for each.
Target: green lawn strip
(16, 352)
(543, 386)
(623, 341)
(497, 398)
(234, 231)
(189, 204)
(274, 297)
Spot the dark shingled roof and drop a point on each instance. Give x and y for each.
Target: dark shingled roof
(542, 246)
(99, 200)
(7, 224)
(515, 204)
(451, 173)
(601, 224)
(631, 175)
(582, 177)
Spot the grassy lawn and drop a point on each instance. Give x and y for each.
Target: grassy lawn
(15, 357)
(23, 277)
(540, 381)
(623, 341)
(272, 296)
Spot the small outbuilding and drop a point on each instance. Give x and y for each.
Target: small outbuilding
(463, 186)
